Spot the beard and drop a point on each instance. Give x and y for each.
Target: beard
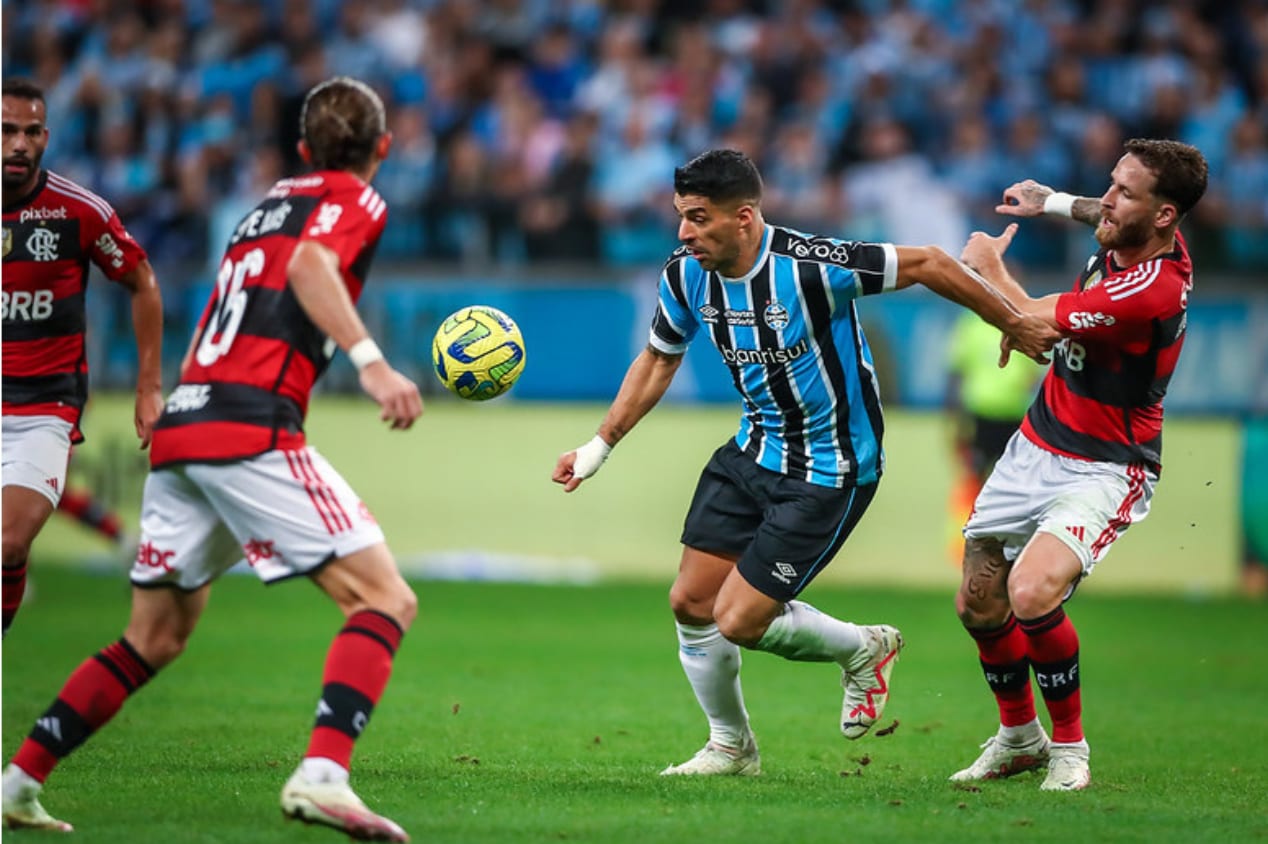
(1124, 235)
(15, 180)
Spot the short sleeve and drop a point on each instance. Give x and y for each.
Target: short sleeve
(112, 248)
(674, 324)
(346, 220)
(1120, 305)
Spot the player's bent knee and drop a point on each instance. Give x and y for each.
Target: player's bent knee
(978, 612)
(740, 629)
(688, 608)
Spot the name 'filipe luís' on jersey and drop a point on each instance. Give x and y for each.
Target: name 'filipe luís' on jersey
(257, 353)
(790, 332)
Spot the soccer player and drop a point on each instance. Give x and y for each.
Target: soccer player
(776, 502)
(231, 475)
(53, 229)
(1083, 467)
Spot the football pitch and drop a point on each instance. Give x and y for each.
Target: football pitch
(542, 711)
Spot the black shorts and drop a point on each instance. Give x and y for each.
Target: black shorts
(784, 530)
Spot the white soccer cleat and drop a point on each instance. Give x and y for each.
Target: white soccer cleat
(999, 759)
(22, 809)
(337, 806)
(1067, 768)
(866, 680)
(715, 760)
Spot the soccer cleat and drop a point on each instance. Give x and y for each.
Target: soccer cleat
(1067, 768)
(337, 806)
(715, 760)
(866, 683)
(22, 809)
(999, 759)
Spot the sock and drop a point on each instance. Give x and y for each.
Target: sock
(1054, 655)
(358, 666)
(805, 634)
(1003, 655)
(712, 666)
(14, 586)
(92, 695)
(88, 511)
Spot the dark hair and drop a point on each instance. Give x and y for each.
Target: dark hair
(342, 120)
(23, 89)
(720, 175)
(1179, 169)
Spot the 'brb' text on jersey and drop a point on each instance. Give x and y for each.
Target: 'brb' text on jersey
(50, 237)
(1124, 327)
(257, 354)
(790, 333)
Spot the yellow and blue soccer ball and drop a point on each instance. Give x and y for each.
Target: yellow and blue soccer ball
(478, 352)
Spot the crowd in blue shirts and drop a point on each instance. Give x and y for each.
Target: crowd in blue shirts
(547, 130)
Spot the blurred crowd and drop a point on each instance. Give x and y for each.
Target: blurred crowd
(548, 130)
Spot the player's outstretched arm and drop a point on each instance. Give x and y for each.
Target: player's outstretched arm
(147, 325)
(646, 381)
(313, 273)
(1031, 199)
(1007, 307)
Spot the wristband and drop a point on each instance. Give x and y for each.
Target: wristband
(363, 353)
(590, 457)
(1059, 204)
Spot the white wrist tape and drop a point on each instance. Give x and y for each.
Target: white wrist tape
(590, 457)
(1059, 204)
(363, 353)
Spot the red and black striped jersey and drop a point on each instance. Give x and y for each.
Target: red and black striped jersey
(257, 354)
(50, 237)
(1124, 328)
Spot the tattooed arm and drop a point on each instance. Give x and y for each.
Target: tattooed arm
(1030, 199)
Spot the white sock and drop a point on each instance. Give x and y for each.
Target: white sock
(712, 665)
(805, 634)
(319, 769)
(1021, 734)
(17, 782)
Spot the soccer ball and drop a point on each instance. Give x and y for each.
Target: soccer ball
(478, 352)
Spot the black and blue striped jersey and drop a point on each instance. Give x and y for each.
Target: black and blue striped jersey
(790, 333)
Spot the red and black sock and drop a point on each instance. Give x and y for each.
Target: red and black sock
(1054, 655)
(90, 512)
(358, 666)
(1003, 654)
(91, 697)
(14, 587)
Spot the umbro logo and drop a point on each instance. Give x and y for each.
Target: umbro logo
(783, 572)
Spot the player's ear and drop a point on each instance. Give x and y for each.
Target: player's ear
(305, 154)
(383, 145)
(1166, 215)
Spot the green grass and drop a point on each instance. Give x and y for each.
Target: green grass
(523, 713)
(472, 480)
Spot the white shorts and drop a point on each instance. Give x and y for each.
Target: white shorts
(1086, 504)
(286, 512)
(36, 450)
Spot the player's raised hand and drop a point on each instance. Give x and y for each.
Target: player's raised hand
(983, 251)
(1024, 199)
(397, 396)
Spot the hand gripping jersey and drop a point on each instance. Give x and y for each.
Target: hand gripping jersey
(1124, 327)
(257, 354)
(790, 333)
(50, 236)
